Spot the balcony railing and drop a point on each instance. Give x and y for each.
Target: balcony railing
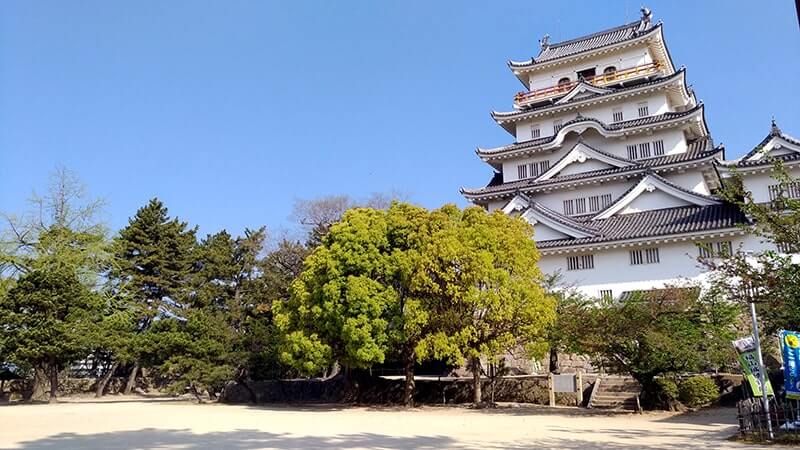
(526, 98)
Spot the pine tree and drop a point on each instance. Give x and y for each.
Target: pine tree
(154, 261)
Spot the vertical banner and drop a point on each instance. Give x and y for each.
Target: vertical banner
(746, 347)
(790, 349)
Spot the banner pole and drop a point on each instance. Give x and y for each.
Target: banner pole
(761, 371)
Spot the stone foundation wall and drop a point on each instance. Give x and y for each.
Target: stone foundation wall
(373, 390)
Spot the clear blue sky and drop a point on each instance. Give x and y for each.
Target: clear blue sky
(230, 110)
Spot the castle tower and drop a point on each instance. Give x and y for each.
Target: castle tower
(612, 163)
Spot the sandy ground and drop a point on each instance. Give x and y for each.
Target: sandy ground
(126, 424)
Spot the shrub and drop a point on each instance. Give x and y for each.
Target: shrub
(667, 388)
(698, 391)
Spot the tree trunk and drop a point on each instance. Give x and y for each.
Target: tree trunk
(53, 381)
(38, 391)
(103, 382)
(476, 381)
(553, 360)
(132, 378)
(408, 368)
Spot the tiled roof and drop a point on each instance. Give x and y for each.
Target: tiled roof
(616, 126)
(506, 115)
(560, 218)
(774, 132)
(586, 43)
(697, 150)
(655, 223)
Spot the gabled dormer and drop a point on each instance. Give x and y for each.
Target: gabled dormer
(775, 145)
(584, 158)
(654, 192)
(547, 224)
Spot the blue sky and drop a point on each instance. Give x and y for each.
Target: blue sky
(230, 110)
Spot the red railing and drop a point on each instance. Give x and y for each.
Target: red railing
(523, 98)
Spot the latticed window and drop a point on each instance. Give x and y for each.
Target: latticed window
(712, 249)
(658, 147)
(617, 113)
(538, 168)
(598, 202)
(644, 111)
(580, 262)
(522, 171)
(785, 247)
(557, 125)
(646, 256)
(644, 150)
(789, 190)
(580, 205)
(569, 207)
(633, 151)
(606, 294)
(536, 131)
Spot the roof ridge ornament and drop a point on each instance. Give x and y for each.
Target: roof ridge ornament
(544, 42)
(644, 21)
(774, 128)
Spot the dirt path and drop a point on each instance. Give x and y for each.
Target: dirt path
(124, 424)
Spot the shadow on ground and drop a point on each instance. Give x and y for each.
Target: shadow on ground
(252, 439)
(235, 440)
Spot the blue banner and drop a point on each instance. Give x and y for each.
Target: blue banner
(790, 349)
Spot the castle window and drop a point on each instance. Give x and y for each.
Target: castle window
(580, 262)
(522, 171)
(617, 113)
(538, 168)
(644, 150)
(569, 207)
(535, 131)
(633, 152)
(658, 148)
(557, 125)
(599, 202)
(646, 256)
(644, 111)
(785, 247)
(562, 83)
(789, 190)
(609, 72)
(580, 205)
(606, 294)
(714, 249)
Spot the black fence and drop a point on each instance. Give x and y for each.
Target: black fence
(784, 416)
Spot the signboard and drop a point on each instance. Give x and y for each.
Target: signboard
(564, 383)
(746, 348)
(790, 349)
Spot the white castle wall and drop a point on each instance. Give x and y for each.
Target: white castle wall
(759, 183)
(656, 104)
(674, 142)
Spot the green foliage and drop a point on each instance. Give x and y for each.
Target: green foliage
(667, 389)
(48, 316)
(348, 304)
(776, 276)
(698, 391)
(481, 270)
(672, 330)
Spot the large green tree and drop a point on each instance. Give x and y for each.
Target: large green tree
(60, 244)
(154, 259)
(353, 303)
(47, 318)
(480, 269)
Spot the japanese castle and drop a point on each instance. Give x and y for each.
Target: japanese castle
(614, 166)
